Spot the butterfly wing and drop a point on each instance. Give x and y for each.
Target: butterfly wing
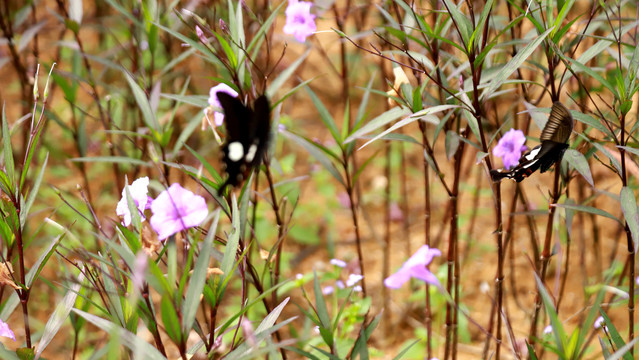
(541, 156)
(559, 125)
(261, 124)
(553, 139)
(247, 137)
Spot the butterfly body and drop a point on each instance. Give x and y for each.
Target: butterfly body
(554, 138)
(248, 132)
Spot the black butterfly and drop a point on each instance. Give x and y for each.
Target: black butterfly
(553, 139)
(247, 137)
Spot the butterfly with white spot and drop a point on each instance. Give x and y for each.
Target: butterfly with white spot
(247, 137)
(554, 138)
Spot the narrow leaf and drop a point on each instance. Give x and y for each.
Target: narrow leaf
(578, 161)
(127, 338)
(630, 212)
(198, 278)
(315, 152)
(514, 64)
(59, 316)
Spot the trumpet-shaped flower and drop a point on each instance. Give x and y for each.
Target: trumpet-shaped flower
(510, 147)
(177, 209)
(6, 331)
(214, 102)
(138, 190)
(299, 20)
(415, 267)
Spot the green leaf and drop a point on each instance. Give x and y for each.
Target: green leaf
(198, 278)
(425, 115)
(37, 267)
(277, 83)
(170, 319)
(589, 209)
(482, 22)
(9, 167)
(624, 351)
(271, 318)
(230, 252)
(142, 349)
(322, 313)
(25, 353)
(616, 338)
(630, 212)
(610, 157)
(461, 21)
(365, 334)
(406, 349)
(588, 70)
(143, 103)
(514, 64)
(578, 161)
(378, 122)
(451, 144)
(59, 316)
(325, 115)
(557, 329)
(33, 192)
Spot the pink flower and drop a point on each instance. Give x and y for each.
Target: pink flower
(344, 200)
(396, 213)
(5, 331)
(415, 267)
(177, 209)
(299, 20)
(138, 190)
(213, 101)
(510, 147)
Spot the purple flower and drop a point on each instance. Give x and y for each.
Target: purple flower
(177, 209)
(415, 267)
(338, 263)
(5, 331)
(327, 290)
(213, 101)
(599, 322)
(510, 147)
(138, 190)
(548, 330)
(299, 20)
(353, 279)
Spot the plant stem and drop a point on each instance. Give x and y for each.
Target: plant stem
(545, 254)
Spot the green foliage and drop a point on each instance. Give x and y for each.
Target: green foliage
(374, 99)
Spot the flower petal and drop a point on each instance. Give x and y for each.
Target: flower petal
(177, 209)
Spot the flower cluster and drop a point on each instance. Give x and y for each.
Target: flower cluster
(351, 282)
(174, 210)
